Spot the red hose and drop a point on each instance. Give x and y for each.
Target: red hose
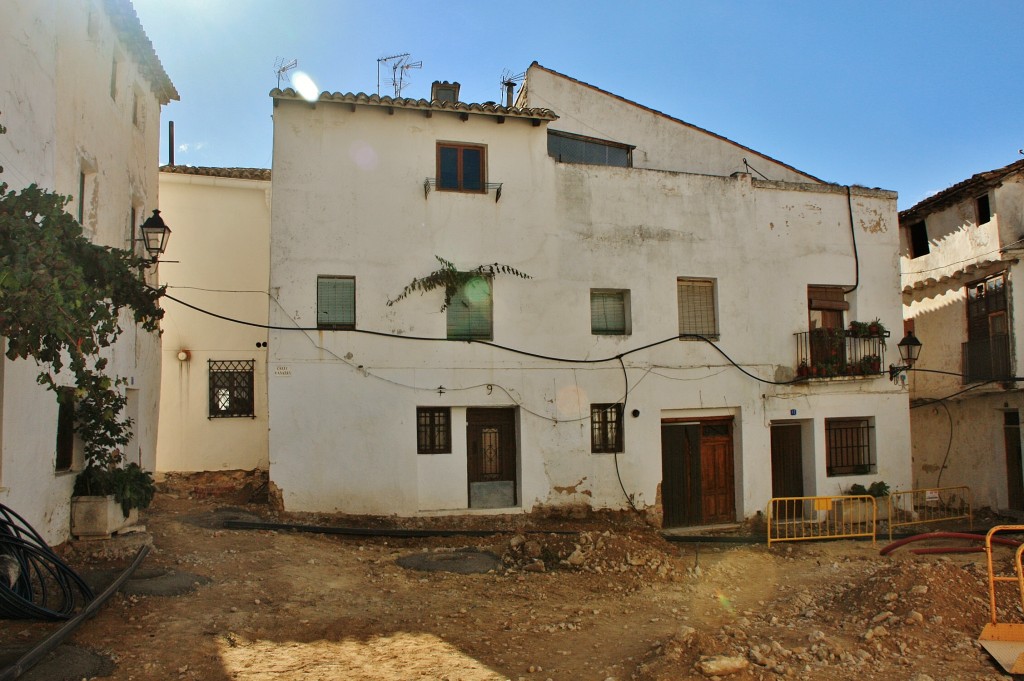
(945, 535)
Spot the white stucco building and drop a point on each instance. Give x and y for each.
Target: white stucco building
(213, 404)
(80, 95)
(677, 281)
(961, 251)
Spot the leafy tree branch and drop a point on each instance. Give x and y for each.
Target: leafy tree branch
(449, 278)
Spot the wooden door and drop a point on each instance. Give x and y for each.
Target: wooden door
(718, 484)
(491, 457)
(787, 463)
(698, 483)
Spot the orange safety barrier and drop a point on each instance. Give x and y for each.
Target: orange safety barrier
(805, 518)
(929, 505)
(1004, 640)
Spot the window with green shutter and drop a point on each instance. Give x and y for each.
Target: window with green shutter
(470, 311)
(335, 302)
(609, 312)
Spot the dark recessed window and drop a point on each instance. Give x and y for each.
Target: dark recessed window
(984, 209)
(65, 429)
(919, 240)
(433, 430)
(569, 148)
(848, 448)
(461, 167)
(605, 428)
(231, 388)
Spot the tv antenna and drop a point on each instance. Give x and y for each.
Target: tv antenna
(508, 82)
(399, 64)
(282, 67)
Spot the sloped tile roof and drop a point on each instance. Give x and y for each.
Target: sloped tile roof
(206, 171)
(487, 108)
(126, 22)
(968, 189)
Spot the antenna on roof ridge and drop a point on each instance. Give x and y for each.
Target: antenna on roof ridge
(508, 82)
(399, 64)
(281, 67)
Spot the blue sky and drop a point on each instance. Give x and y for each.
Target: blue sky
(912, 96)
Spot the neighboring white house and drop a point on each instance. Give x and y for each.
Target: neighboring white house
(961, 251)
(213, 401)
(80, 95)
(573, 386)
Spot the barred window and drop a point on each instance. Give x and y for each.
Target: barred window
(848, 449)
(231, 388)
(697, 309)
(605, 428)
(433, 430)
(609, 312)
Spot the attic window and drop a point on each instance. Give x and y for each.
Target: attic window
(919, 240)
(983, 208)
(569, 148)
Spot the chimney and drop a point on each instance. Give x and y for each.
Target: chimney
(510, 85)
(443, 91)
(170, 143)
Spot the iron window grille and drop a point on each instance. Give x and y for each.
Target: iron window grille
(433, 430)
(231, 388)
(606, 428)
(848, 449)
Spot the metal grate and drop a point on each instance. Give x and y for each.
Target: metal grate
(231, 388)
(848, 447)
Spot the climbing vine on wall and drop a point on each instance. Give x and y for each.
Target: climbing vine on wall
(449, 278)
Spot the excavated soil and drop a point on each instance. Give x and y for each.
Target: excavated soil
(596, 597)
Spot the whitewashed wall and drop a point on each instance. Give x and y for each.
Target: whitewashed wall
(221, 242)
(348, 200)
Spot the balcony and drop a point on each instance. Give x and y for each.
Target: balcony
(834, 353)
(987, 359)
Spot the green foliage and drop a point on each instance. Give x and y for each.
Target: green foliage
(451, 279)
(131, 486)
(60, 300)
(878, 488)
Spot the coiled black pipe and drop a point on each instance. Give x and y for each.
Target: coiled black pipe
(35, 583)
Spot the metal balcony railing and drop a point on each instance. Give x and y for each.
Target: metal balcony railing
(831, 353)
(987, 359)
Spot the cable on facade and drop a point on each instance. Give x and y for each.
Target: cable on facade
(853, 234)
(622, 421)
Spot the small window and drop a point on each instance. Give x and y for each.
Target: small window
(848, 447)
(569, 148)
(470, 311)
(113, 78)
(605, 428)
(609, 312)
(460, 167)
(232, 388)
(65, 429)
(697, 310)
(335, 302)
(433, 430)
(919, 240)
(984, 209)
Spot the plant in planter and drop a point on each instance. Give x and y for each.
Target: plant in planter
(871, 364)
(859, 329)
(60, 300)
(876, 328)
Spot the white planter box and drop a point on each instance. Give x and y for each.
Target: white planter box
(99, 517)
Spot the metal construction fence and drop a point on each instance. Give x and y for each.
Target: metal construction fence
(807, 518)
(929, 505)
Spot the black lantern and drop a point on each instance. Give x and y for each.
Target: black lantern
(910, 350)
(155, 234)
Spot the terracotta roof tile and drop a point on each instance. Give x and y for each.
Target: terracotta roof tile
(126, 21)
(487, 108)
(958, 192)
(235, 173)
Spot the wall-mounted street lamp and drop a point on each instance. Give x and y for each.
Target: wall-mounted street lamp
(154, 235)
(910, 350)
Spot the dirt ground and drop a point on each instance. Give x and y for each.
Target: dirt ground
(604, 598)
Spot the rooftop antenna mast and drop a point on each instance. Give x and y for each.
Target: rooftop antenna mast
(508, 82)
(281, 67)
(399, 64)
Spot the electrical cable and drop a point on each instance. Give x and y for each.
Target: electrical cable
(853, 234)
(947, 397)
(615, 454)
(949, 444)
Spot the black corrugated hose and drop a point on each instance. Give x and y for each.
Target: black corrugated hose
(35, 583)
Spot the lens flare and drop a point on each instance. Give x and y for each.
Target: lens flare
(305, 86)
(363, 155)
(724, 601)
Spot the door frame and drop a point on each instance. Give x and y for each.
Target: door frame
(503, 417)
(701, 422)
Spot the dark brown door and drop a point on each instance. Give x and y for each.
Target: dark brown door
(718, 491)
(491, 443)
(1014, 467)
(787, 464)
(698, 484)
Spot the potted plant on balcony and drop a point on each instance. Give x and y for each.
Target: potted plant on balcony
(871, 364)
(876, 329)
(859, 329)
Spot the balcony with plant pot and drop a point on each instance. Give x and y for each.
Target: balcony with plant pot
(856, 351)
